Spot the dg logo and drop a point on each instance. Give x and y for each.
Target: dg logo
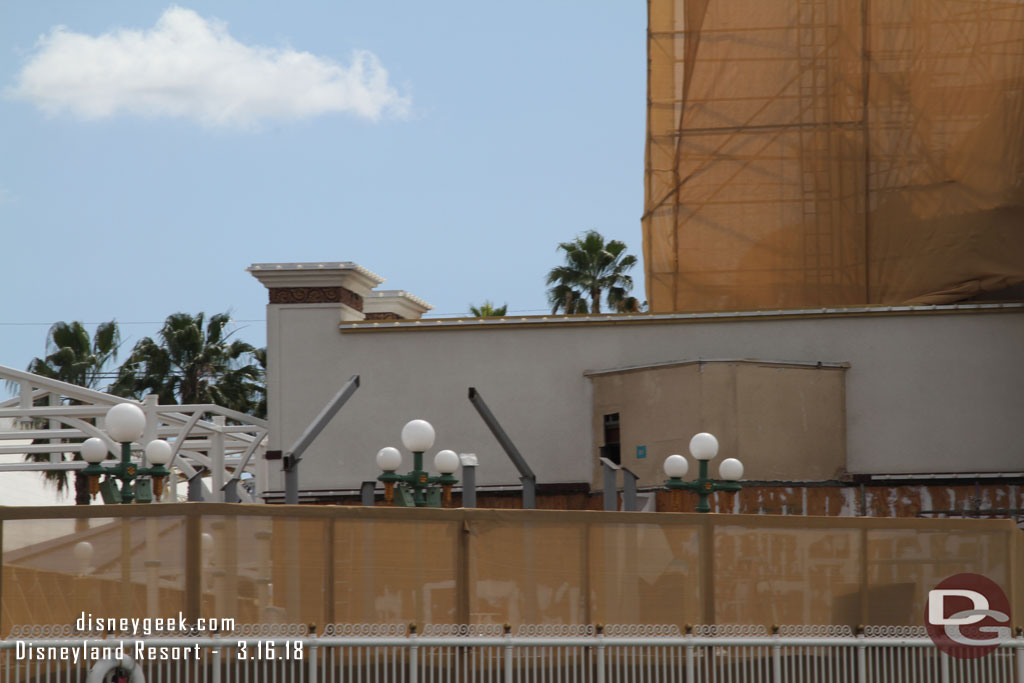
(967, 616)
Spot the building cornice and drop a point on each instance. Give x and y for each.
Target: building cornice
(545, 321)
(397, 302)
(313, 275)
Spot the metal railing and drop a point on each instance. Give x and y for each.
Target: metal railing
(492, 654)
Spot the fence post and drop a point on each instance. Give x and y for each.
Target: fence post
(312, 672)
(508, 653)
(414, 655)
(944, 666)
(600, 653)
(690, 653)
(862, 657)
(776, 656)
(216, 663)
(1020, 655)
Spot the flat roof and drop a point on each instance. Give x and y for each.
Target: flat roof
(448, 324)
(832, 365)
(323, 266)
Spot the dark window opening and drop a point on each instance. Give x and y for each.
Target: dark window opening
(611, 448)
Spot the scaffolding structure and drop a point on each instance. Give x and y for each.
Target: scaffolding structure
(807, 153)
(53, 417)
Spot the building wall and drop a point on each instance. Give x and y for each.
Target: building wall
(777, 418)
(925, 392)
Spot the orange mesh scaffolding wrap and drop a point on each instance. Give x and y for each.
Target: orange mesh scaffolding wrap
(805, 153)
(323, 564)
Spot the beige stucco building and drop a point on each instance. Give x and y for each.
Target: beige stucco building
(835, 398)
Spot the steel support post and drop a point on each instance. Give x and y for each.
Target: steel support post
(291, 480)
(610, 494)
(529, 493)
(368, 493)
(527, 477)
(629, 499)
(468, 485)
(231, 492)
(195, 487)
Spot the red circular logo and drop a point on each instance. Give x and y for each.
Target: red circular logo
(967, 615)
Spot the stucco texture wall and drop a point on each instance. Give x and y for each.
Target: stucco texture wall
(777, 418)
(933, 393)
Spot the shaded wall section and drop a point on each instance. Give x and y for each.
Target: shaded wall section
(300, 565)
(823, 153)
(784, 421)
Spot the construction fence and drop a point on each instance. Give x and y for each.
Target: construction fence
(327, 564)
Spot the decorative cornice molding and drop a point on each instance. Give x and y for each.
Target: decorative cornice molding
(383, 315)
(399, 302)
(345, 274)
(315, 295)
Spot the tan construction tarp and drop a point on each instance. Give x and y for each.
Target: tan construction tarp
(805, 153)
(324, 564)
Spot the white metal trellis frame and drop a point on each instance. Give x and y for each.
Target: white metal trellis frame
(225, 450)
(624, 654)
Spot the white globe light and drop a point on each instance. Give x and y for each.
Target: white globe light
(731, 469)
(676, 466)
(126, 422)
(389, 459)
(418, 435)
(83, 552)
(704, 446)
(446, 462)
(158, 452)
(94, 451)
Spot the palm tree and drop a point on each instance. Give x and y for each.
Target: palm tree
(258, 389)
(488, 310)
(193, 364)
(593, 268)
(71, 356)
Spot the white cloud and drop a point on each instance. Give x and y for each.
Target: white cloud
(190, 67)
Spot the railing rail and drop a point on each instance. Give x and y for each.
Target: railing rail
(631, 654)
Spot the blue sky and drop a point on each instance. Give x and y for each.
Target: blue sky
(139, 175)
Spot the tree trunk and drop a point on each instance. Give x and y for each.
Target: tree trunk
(82, 496)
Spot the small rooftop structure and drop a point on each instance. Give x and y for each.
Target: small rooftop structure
(337, 282)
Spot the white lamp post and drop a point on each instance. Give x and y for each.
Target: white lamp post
(125, 423)
(417, 436)
(703, 447)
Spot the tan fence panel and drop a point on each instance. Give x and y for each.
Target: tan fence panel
(321, 565)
